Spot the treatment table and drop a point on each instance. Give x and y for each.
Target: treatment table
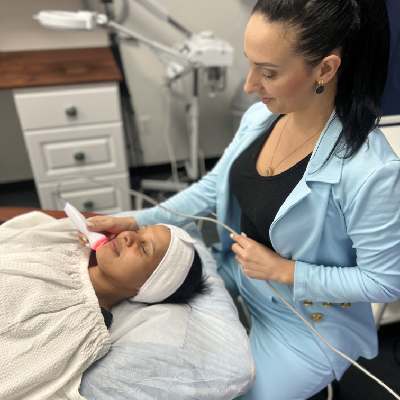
(170, 351)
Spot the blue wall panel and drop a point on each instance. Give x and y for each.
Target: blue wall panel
(391, 95)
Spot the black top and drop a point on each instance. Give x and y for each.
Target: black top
(107, 317)
(260, 197)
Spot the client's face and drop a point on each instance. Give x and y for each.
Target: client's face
(129, 260)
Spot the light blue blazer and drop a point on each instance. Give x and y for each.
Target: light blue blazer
(341, 224)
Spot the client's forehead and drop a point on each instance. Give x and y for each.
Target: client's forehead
(160, 235)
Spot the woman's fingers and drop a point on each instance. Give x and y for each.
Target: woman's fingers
(83, 239)
(242, 239)
(236, 248)
(243, 245)
(110, 236)
(99, 224)
(110, 224)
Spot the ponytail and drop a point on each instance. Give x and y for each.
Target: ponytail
(360, 30)
(362, 75)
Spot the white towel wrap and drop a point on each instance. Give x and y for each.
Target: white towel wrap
(172, 270)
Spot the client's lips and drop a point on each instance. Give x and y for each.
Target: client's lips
(115, 246)
(266, 100)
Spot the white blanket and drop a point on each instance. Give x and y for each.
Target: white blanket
(51, 326)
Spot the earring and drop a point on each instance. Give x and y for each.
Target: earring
(320, 88)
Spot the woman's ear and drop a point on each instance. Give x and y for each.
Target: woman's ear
(328, 67)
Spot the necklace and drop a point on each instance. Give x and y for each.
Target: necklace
(270, 171)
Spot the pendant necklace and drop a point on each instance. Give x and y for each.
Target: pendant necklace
(270, 171)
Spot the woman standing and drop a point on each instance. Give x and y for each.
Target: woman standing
(313, 184)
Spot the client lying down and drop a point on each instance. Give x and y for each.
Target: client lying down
(156, 264)
(52, 328)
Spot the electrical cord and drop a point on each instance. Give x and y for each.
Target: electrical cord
(132, 193)
(150, 200)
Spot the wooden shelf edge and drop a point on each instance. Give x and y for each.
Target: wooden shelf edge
(7, 213)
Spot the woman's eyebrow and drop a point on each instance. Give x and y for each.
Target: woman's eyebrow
(264, 64)
(153, 246)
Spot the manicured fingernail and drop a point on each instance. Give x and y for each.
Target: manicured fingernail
(243, 234)
(90, 224)
(87, 245)
(231, 235)
(84, 239)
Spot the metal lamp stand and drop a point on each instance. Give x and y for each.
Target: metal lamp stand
(191, 166)
(131, 134)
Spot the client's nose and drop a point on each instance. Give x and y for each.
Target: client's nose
(129, 237)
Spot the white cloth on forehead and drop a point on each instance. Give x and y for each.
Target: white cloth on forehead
(172, 270)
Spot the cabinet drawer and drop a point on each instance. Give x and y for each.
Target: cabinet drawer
(94, 199)
(88, 150)
(49, 107)
(75, 152)
(87, 195)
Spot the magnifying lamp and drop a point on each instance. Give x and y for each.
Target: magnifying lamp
(198, 51)
(88, 20)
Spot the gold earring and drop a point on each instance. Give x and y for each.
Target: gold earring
(321, 87)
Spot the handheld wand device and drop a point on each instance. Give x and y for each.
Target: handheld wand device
(95, 239)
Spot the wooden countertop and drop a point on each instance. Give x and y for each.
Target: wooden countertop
(6, 213)
(22, 69)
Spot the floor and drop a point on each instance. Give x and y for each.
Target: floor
(354, 385)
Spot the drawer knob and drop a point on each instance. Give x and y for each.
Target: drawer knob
(71, 111)
(88, 204)
(79, 156)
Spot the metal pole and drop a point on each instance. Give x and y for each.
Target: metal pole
(135, 153)
(192, 167)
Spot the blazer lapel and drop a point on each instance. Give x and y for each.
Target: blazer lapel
(316, 171)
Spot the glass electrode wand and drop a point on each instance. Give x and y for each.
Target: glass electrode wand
(95, 239)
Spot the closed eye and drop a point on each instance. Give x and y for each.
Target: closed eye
(148, 241)
(143, 248)
(267, 77)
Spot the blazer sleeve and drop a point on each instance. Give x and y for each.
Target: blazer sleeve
(198, 200)
(373, 225)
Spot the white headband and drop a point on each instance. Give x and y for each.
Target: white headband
(172, 270)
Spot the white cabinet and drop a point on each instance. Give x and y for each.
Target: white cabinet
(390, 126)
(76, 130)
(392, 134)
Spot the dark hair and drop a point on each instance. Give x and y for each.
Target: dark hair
(195, 283)
(360, 30)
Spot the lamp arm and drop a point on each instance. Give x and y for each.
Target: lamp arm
(155, 8)
(154, 45)
(87, 20)
(162, 13)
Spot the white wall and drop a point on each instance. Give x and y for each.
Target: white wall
(19, 31)
(14, 162)
(227, 18)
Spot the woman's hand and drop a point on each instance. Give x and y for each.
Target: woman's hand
(109, 226)
(259, 262)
